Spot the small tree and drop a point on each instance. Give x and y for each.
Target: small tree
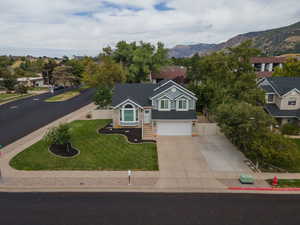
(102, 97)
(21, 89)
(58, 135)
(9, 84)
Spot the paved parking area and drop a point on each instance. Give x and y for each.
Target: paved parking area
(221, 155)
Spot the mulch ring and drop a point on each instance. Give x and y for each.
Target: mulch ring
(63, 151)
(134, 135)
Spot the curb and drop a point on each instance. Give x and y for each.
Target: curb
(262, 189)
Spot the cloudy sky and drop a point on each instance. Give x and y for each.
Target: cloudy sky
(58, 27)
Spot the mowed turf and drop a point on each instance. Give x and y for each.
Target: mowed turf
(97, 152)
(64, 96)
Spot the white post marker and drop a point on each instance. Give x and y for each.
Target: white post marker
(129, 177)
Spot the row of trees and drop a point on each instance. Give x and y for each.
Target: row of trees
(225, 84)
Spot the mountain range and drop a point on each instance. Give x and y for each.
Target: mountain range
(277, 41)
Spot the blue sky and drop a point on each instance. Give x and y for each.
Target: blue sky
(43, 27)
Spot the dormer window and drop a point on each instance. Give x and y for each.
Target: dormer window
(164, 105)
(182, 105)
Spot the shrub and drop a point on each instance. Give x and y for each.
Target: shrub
(89, 116)
(58, 135)
(290, 129)
(21, 89)
(102, 96)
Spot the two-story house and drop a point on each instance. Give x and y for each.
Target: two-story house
(163, 109)
(282, 98)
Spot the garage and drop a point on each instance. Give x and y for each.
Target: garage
(174, 128)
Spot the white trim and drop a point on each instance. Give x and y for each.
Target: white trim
(169, 89)
(134, 109)
(164, 96)
(187, 105)
(180, 96)
(294, 89)
(129, 100)
(169, 105)
(176, 85)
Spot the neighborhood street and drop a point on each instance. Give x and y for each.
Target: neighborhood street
(19, 118)
(150, 209)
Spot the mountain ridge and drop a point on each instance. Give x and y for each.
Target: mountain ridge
(275, 41)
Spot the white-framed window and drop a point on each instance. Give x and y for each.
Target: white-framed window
(182, 104)
(164, 104)
(292, 101)
(128, 113)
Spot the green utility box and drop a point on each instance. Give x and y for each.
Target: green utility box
(246, 179)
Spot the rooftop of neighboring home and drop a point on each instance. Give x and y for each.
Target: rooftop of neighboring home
(274, 59)
(280, 85)
(170, 72)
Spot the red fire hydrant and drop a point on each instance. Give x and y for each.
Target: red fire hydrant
(275, 181)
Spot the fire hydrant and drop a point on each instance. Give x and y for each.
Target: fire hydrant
(275, 181)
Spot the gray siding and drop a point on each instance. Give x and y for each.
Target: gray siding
(172, 95)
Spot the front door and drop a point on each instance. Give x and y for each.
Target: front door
(147, 116)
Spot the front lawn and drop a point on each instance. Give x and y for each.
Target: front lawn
(64, 96)
(97, 152)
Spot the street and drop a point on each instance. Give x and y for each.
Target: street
(148, 209)
(21, 117)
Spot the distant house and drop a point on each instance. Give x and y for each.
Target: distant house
(175, 73)
(282, 98)
(164, 109)
(265, 66)
(31, 81)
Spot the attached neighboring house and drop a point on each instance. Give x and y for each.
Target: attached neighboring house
(162, 109)
(175, 73)
(282, 98)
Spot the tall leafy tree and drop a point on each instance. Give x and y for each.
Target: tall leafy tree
(141, 59)
(291, 68)
(105, 73)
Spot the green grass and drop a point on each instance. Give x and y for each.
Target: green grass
(4, 97)
(286, 182)
(97, 152)
(64, 96)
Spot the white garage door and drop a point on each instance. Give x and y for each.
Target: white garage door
(174, 128)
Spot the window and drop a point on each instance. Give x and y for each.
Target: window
(182, 105)
(270, 98)
(292, 101)
(129, 113)
(164, 104)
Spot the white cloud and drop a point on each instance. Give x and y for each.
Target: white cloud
(92, 24)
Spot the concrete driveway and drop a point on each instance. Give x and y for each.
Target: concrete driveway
(221, 155)
(182, 165)
(197, 161)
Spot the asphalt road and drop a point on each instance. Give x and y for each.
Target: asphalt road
(21, 117)
(147, 209)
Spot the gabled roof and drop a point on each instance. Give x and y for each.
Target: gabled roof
(141, 93)
(276, 112)
(165, 85)
(170, 72)
(283, 85)
(138, 93)
(267, 59)
(267, 88)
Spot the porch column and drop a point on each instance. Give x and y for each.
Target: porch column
(263, 67)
